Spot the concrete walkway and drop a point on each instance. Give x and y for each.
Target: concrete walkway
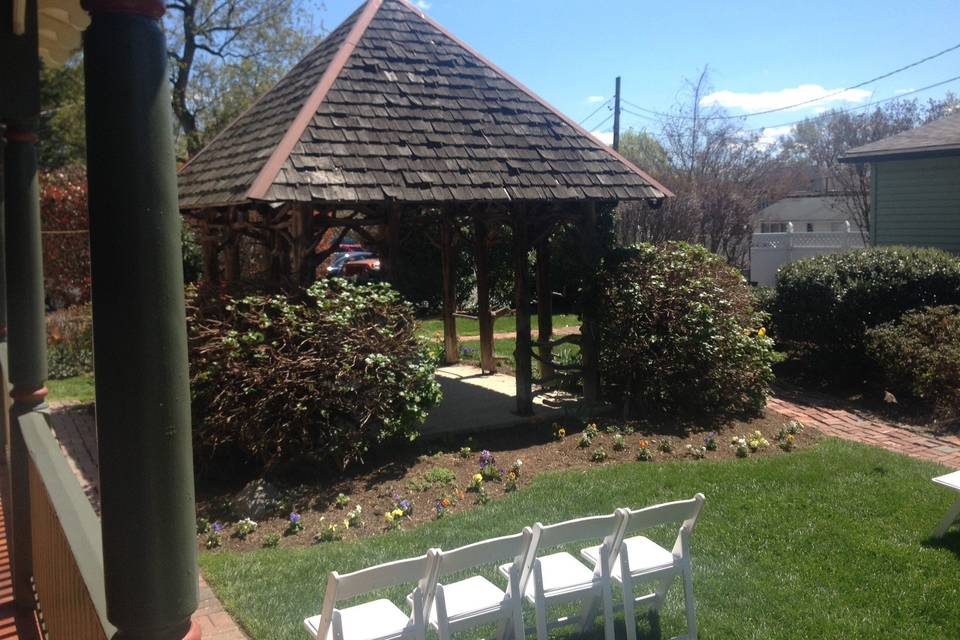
(840, 423)
(76, 430)
(473, 401)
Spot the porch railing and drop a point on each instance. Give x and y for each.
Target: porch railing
(65, 540)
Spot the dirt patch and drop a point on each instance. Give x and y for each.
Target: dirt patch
(444, 471)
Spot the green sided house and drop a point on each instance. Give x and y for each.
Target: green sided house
(915, 185)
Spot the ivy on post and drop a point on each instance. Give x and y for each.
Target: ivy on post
(143, 393)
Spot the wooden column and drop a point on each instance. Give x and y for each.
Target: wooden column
(488, 362)
(301, 232)
(451, 348)
(522, 356)
(392, 262)
(209, 248)
(27, 334)
(588, 329)
(231, 249)
(142, 378)
(544, 306)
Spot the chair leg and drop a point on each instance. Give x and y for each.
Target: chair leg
(661, 593)
(541, 620)
(948, 520)
(629, 610)
(519, 631)
(608, 633)
(690, 604)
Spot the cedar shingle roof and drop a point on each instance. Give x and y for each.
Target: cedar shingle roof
(940, 137)
(390, 107)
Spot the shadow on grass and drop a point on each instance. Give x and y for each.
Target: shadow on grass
(949, 542)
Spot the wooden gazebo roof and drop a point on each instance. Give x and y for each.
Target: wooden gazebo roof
(391, 107)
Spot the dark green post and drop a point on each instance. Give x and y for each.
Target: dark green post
(140, 342)
(27, 345)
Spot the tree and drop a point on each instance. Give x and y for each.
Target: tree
(818, 141)
(224, 53)
(66, 247)
(61, 129)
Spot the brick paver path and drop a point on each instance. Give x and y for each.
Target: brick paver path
(850, 426)
(75, 428)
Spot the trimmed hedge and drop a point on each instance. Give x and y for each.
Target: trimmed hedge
(69, 342)
(320, 377)
(678, 334)
(825, 304)
(919, 356)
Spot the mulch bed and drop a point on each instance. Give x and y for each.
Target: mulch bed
(429, 472)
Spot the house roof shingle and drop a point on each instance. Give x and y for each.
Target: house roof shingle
(940, 137)
(390, 107)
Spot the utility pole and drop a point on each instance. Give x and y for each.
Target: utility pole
(616, 117)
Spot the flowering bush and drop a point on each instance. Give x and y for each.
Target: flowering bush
(354, 519)
(643, 453)
(442, 506)
(271, 540)
(394, 518)
(787, 436)
(511, 483)
(66, 245)
(676, 331)
(591, 431)
(665, 445)
(516, 467)
(69, 341)
(697, 453)
(244, 528)
(294, 524)
(599, 454)
(203, 526)
(322, 377)
(756, 441)
(465, 452)
(740, 446)
(342, 500)
(559, 432)
(710, 441)
(488, 466)
(477, 482)
(585, 441)
(215, 537)
(328, 533)
(619, 442)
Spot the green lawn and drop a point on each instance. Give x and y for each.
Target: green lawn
(75, 389)
(829, 542)
(468, 327)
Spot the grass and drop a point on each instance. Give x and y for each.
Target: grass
(75, 389)
(827, 542)
(468, 327)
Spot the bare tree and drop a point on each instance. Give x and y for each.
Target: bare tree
(223, 53)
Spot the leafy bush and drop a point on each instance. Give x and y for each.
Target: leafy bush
(919, 356)
(825, 304)
(69, 342)
(678, 334)
(66, 246)
(322, 376)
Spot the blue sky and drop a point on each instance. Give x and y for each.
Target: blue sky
(762, 53)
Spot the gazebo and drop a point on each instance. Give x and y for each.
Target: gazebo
(392, 117)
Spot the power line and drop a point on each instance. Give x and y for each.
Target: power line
(804, 102)
(595, 111)
(605, 121)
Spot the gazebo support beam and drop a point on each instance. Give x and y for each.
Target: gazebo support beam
(488, 363)
(231, 264)
(544, 306)
(451, 347)
(209, 249)
(142, 378)
(301, 230)
(522, 356)
(392, 262)
(588, 343)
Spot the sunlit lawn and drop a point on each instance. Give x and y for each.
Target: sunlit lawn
(75, 389)
(829, 542)
(468, 327)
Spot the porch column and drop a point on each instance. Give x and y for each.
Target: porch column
(588, 326)
(522, 356)
(27, 346)
(451, 347)
(392, 263)
(544, 307)
(488, 363)
(140, 342)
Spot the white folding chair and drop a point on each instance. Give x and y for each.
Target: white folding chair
(474, 601)
(377, 619)
(640, 559)
(559, 577)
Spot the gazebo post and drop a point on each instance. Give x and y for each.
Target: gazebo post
(302, 235)
(588, 328)
(522, 356)
(28, 338)
(487, 362)
(142, 378)
(451, 347)
(544, 306)
(392, 262)
(208, 245)
(231, 248)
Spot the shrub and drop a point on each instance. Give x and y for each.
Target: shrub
(919, 356)
(69, 342)
(678, 334)
(66, 246)
(824, 304)
(322, 376)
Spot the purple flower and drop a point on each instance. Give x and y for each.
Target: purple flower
(217, 527)
(405, 505)
(486, 458)
(294, 517)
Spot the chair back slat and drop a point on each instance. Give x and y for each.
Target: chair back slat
(685, 511)
(483, 552)
(389, 574)
(579, 529)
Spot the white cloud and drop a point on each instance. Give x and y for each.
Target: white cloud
(606, 137)
(752, 102)
(423, 4)
(595, 99)
(900, 92)
(770, 135)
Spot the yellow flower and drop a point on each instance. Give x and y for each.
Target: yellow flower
(762, 331)
(477, 478)
(791, 438)
(397, 513)
(388, 516)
